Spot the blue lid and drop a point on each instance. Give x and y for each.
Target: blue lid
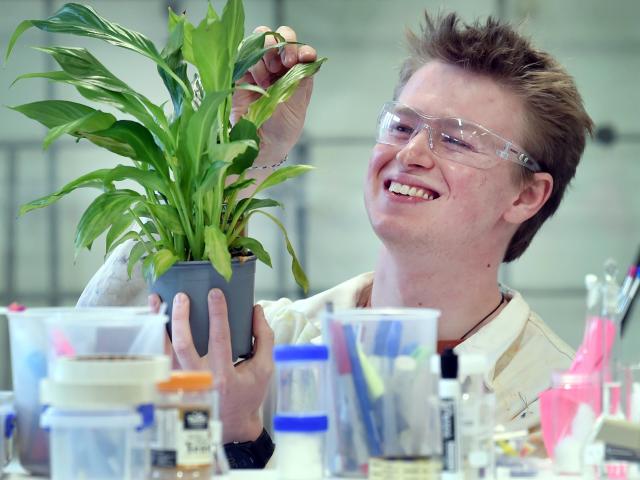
(287, 423)
(292, 353)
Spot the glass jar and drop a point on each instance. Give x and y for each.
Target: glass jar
(181, 446)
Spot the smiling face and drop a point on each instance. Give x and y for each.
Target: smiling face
(415, 199)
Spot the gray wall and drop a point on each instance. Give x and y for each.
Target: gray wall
(598, 42)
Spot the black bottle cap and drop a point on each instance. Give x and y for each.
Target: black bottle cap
(449, 364)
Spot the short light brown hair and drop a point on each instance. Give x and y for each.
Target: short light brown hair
(557, 123)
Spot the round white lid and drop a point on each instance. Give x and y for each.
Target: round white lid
(116, 419)
(110, 370)
(95, 396)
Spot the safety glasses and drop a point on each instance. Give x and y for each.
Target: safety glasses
(452, 139)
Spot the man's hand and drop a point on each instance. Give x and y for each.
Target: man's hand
(242, 388)
(281, 132)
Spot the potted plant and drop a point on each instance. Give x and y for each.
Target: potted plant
(194, 198)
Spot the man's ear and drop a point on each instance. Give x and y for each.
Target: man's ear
(533, 195)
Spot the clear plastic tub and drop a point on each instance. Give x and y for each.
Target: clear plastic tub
(384, 402)
(98, 335)
(7, 428)
(300, 448)
(301, 373)
(97, 444)
(29, 347)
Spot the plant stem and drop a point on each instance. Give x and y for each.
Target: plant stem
(144, 229)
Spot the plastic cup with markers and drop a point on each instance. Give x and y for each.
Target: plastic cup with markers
(384, 408)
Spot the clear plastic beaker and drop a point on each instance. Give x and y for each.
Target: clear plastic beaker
(30, 346)
(383, 397)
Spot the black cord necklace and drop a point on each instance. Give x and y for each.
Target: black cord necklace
(485, 317)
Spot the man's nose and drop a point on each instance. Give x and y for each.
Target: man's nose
(417, 152)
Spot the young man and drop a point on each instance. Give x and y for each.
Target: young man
(472, 156)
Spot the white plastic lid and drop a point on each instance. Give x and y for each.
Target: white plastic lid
(95, 396)
(111, 371)
(468, 364)
(472, 364)
(115, 419)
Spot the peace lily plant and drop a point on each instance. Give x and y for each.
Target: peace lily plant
(191, 164)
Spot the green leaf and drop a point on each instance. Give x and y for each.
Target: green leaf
(89, 123)
(280, 91)
(96, 83)
(23, 27)
(248, 204)
(296, 268)
(172, 55)
(53, 113)
(237, 186)
(130, 139)
(56, 76)
(158, 263)
(93, 179)
(83, 21)
(102, 213)
(255, 247)
(252, 49)
(216, 250)
(215, 46)
(130, 235)
(136, 253)
(282, 174)
(244, 129)
(146, 178)
(213, 178)
(231, 152)
(167, 216)
(118, 228)
(80, 64)
(203, 125)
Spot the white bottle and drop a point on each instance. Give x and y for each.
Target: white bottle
(449, 393)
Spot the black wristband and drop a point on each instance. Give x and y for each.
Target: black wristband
(250, 454)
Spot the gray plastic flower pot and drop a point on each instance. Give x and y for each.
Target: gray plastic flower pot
(196, 279)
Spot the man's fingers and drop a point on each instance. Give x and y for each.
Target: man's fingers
(307, 54)
(260, 74)
(219, 335)
(264, 340)
(181, 334)
(154, 302)
(289, 54)
(272, 57)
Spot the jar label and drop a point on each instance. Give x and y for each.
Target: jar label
(182, 438)
(404, 468)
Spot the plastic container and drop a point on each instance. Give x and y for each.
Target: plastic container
(300, 447)
(29, 348)
(99, 415)
(183, 438)
(574, 406)
(103, 335)
(97, 444)
(301, 374)
(383, 394)
(476, 415)
(7, 428)
(301, 420)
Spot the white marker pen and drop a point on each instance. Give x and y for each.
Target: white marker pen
(449, 393)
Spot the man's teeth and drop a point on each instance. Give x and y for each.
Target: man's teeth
(396, 187)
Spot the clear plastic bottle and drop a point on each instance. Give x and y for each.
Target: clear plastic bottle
(301, 420)
(183, 444)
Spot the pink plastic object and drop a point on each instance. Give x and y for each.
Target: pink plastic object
(558, 406)
(61, 346)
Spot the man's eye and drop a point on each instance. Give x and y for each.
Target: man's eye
(454, 142)
(401, 129)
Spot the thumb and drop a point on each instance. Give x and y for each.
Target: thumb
(264, 337)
